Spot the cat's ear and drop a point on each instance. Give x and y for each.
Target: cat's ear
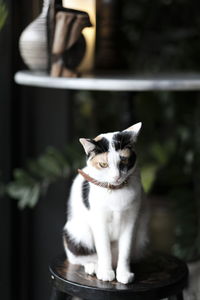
(135, 129)
(87, 145)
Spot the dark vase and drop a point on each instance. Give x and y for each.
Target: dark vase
(108, 54)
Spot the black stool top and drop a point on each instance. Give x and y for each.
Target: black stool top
(156, 277)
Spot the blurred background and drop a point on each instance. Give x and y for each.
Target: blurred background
(40, 127)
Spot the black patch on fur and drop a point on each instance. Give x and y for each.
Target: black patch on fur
(76, 249)
(101, 146)
(122, 140)
(85, 193)
(131, 162)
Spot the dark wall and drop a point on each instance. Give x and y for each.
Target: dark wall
(5, 156)
(30, 120)
(33, 118)
(44, 122)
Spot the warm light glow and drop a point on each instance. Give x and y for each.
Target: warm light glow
(89, 33)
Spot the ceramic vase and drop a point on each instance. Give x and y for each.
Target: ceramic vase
(33, 43)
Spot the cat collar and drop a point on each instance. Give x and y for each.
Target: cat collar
(102, 184)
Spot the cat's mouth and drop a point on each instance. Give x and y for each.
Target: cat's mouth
(117, 182)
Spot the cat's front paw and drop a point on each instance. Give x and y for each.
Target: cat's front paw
(124, 276)
(90, 268)
(105, 275)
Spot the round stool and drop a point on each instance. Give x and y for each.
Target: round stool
(158, 276)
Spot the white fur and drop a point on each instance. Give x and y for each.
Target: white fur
(115, 224)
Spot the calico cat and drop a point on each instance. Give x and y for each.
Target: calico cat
(107, 212)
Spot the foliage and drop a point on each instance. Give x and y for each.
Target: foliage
(176, 173)
(168, 148)
(158, 157)
(29, 184)
(160, 36)
(3, 14)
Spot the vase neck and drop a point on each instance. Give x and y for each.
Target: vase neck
(45, 7)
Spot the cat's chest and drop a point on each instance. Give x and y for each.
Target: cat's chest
(114, 221)
(114, 200)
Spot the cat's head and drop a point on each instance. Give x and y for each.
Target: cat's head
(111, 156)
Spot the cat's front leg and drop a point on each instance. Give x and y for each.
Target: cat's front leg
(103, 248)
(123, 273)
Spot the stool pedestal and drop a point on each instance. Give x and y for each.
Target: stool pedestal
(156, 277)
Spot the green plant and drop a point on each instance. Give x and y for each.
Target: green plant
(3, 14)
(158, 157)
(31, 183)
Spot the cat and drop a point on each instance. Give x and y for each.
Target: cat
(107, 215)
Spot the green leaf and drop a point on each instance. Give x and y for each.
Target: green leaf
(29, 184)
(35, 170)
(148, 175)
(3, 14)
(34, 195)
(23, 176)
(60, 159)
(75, 158)
(27, 195)
(49, 166)
(18, 192)
(159, 153)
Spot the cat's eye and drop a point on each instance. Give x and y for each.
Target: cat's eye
(103, 165)
(124, 160)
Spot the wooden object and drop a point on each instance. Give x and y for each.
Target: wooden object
(68, 45)
(158, 276)
(89, 33)
(108, 56)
